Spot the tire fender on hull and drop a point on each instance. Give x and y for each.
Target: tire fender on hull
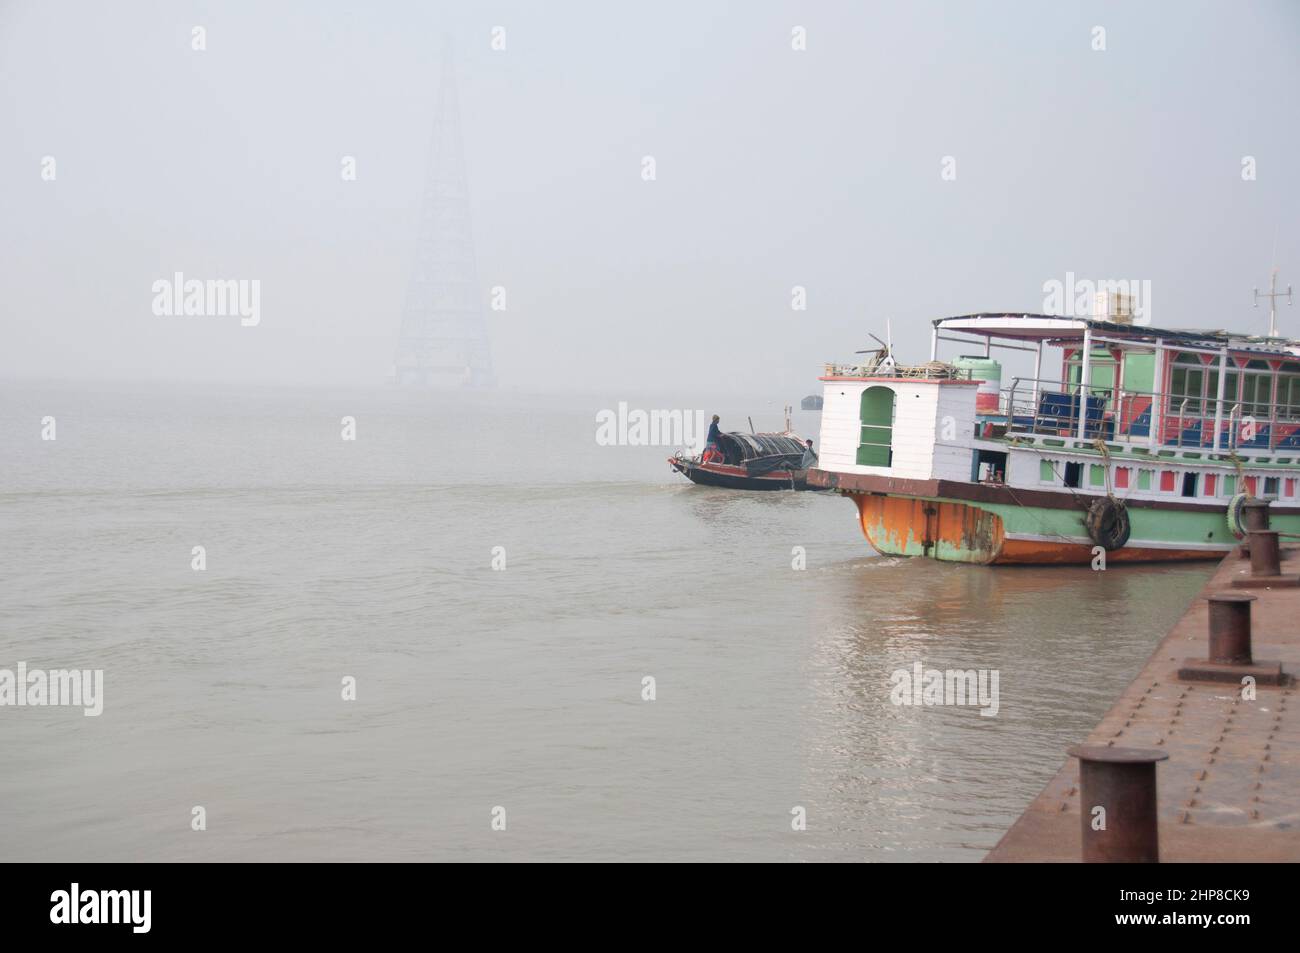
(1236, 515)
(1107, 523)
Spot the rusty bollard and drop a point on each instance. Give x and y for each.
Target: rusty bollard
(1265, 554)
(1264, 547)
(1254, 516)
(1230, 628)
(1121, 782)
(1231, 656)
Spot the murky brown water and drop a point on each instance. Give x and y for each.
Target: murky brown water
(519, 688)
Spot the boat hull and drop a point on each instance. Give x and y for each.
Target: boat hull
(956, 531)
(736, 478)
(1000, 526)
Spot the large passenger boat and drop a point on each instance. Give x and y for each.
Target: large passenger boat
(1136, 441)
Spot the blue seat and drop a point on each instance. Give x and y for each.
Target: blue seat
(1141, 425)
(1192, 435)
(1057, 411)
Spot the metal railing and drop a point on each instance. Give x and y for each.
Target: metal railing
(1052, 408)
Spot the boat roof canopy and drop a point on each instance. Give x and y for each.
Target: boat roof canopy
(1055, 328)
(755, 445)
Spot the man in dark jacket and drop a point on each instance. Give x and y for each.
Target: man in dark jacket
(713, 443)
(714, 433)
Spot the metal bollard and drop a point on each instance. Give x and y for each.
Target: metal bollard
(1254, 515)
(1231, 656)
(1265, 553)
(1122, 783)
(1230, 628)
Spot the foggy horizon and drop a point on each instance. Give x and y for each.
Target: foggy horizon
(775, 168)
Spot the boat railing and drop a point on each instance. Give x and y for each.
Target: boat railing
(1052, 408)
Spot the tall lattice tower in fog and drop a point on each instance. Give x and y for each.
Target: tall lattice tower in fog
(443, 341)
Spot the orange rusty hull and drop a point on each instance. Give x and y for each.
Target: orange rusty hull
(962, 532)
(907, 526)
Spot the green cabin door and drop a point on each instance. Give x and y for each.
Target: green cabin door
(875, 446)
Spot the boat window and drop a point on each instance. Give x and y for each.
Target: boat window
(1257, 395)
(875, 446)
(1270, 486)
(1288, 394)
(1073, 474)
(1189, 484)
(1186, 383)
(1231, 389)
(1101, 371)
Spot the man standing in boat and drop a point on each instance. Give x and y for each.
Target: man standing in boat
(713, 444)
(809, 456)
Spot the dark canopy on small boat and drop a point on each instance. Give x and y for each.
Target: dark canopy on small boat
(750, 446)
(761, 452)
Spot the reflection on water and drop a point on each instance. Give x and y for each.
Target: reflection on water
(1065, 641)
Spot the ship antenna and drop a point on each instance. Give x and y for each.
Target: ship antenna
(1272, 296)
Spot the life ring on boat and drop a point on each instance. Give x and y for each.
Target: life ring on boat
(1107, 523)
(1236, 515)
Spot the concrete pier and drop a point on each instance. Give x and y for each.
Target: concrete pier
(1230, 787)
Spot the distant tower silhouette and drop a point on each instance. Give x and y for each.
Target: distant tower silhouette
(443, 341)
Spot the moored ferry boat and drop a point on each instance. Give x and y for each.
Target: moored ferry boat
(1141, 442)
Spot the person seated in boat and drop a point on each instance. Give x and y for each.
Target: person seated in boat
(713, 443)
(809, 456)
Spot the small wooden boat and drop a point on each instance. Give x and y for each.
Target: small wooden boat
(748, 461)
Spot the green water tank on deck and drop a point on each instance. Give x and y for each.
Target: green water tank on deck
(989, 373)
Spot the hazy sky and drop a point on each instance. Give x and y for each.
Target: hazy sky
(775, 168)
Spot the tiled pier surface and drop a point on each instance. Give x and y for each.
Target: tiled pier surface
(1230, 790)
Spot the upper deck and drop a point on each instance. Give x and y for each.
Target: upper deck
(1211, 390)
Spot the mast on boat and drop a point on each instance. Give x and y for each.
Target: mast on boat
(1272, 296)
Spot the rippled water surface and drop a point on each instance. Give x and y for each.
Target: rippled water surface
(519, 688)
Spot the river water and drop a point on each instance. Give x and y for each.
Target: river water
(517, 688)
